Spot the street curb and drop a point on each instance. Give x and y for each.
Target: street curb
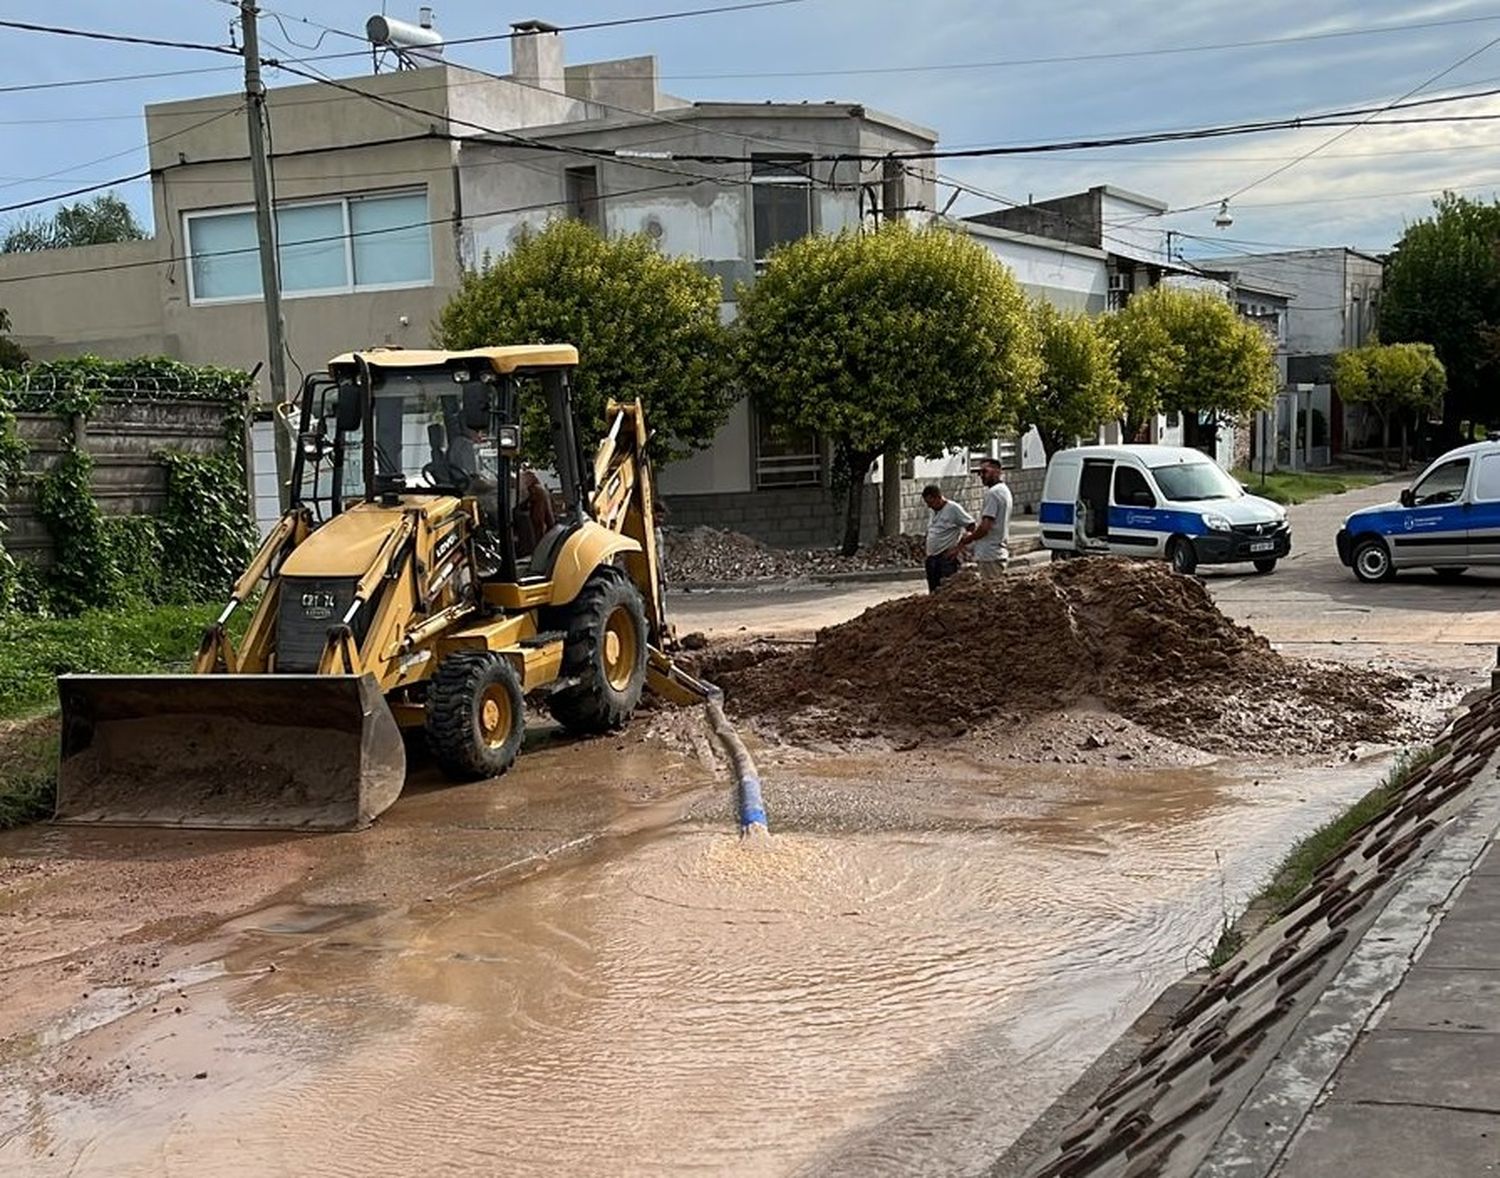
(812, 580)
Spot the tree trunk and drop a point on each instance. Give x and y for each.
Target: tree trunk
(857, 465)
(1385, 441)
(1405, 452)
(890, 493)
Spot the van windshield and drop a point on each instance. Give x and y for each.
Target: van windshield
(1189, 482)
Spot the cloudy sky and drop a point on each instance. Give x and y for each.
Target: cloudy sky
(969, 69)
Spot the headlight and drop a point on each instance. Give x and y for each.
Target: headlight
(1216, 523)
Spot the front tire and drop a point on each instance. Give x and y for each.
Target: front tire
(605, 652)
(1183, 556)
(1372, 561)
(1266, 565)
(476, 715)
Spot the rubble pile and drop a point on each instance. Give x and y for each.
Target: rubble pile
(705, 554)
(1144, 642)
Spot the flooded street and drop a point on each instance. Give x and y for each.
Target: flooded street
(900, 978)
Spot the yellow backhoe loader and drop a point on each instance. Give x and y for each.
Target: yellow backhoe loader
(395, 595)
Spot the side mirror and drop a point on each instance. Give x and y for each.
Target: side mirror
(477, 407)
(351, 407)
(1407, 498)
(1143, 499)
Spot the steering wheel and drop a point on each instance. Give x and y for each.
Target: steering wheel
(442, 474)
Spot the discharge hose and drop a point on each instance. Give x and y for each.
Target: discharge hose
(747, 778)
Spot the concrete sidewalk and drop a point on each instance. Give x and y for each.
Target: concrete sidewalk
(1358, 1034)
(1420, 1092)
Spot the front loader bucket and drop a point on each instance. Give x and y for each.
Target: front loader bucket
(285, 752)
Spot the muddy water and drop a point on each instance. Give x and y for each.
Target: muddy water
(851, 1003)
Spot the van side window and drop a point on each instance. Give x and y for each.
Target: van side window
(1487, 481)
(1444, 485)
(1132, 489)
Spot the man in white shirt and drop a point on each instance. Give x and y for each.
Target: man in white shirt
(947, 531)
(991, 538)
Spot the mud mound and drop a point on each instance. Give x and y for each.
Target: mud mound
(1148, 643)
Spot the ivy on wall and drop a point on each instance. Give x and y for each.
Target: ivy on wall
(192, 551)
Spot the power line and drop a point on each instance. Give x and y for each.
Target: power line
(1290, 164)
(116, 155)
(118, 38)
(1112, 55)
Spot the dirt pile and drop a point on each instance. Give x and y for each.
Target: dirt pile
(1147, 643)
(709, 554)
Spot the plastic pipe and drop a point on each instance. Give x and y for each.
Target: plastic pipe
(752, 809)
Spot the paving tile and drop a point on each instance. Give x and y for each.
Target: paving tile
(1446, 1000)
(1463, 941)
(1367, 1141)
(1455, 1069)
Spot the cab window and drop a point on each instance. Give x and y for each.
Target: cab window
(1132, 489)
(1445, 484)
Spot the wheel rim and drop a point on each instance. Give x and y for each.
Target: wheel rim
(620, 648)
(495, 715)
(1373, 561)
(1179, 557)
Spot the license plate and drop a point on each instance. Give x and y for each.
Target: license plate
(1262, 545)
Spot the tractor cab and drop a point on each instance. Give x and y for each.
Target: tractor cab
(389, 426)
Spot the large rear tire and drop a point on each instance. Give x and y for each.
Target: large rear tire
(605, 652)
(476, 715)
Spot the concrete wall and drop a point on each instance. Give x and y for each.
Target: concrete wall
(100, 298)
(728, 466)
(1320, 318)
(787, 517)
(123, 440)
(1071, 277)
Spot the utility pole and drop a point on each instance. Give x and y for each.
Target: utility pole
(265, 226)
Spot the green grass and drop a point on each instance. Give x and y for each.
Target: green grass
(1304, 860)
(28, 764)
(34, 651)
(1291, 487)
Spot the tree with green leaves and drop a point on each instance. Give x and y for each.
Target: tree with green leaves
(1442, 287)
(1079, 388)
(1394, 381)
(897, 340)
(646, 326)
(1187, 351)
(104, 219)
(12, 354)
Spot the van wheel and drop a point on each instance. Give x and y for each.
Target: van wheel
(1372, 561)
(1183, 556)
(1265, 566)
(1450, 573)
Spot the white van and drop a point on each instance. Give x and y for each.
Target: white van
(1157, 501)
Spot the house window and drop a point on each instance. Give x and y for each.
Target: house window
(782, 192)
(582, 194)
(785, 456)
(375, 242)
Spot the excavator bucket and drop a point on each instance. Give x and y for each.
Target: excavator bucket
(284, 752)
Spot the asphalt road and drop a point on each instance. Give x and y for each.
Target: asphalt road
(1311, 604)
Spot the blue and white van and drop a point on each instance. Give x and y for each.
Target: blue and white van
(1157, 501)
(1446, 521)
